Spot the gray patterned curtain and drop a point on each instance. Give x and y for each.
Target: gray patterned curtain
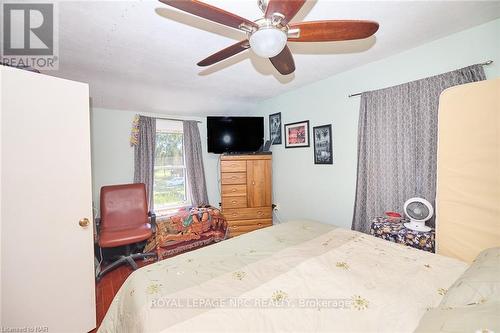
(397, 144)
(194, 163)
(144, 156)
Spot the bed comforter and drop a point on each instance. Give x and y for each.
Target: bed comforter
(300, 276)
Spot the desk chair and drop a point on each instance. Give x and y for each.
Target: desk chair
(125, 220)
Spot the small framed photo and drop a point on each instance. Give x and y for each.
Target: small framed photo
(297, 134)
(275, 128)
(323, 144)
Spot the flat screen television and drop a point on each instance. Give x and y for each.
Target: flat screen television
(235, 134)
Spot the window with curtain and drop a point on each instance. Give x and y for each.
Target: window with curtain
(170, 180)
(397, 144)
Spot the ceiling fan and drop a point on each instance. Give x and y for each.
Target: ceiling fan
(267, 37)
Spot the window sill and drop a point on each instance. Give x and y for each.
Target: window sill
(167, 212)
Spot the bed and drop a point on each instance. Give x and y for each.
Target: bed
(296, 276)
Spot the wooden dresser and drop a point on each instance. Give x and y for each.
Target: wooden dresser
(246, 192)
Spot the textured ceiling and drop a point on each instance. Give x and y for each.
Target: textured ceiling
(142, 55)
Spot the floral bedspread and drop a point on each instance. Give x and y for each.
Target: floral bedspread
(396, 232)
(298, 276)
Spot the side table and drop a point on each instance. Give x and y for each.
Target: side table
(396, 232)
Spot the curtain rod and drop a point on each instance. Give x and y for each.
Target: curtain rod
(175, 119)
(486, 63)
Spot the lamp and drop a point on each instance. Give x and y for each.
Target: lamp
(268, 42)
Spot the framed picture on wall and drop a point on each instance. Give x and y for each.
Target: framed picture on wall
(323, 144)
(275, 128)
(297, 134)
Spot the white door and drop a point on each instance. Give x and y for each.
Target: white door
(47, 273)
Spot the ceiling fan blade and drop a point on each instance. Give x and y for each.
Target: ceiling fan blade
(328, 31)
(210, 12)
(283, 62)
(286, 7)
(225, 53)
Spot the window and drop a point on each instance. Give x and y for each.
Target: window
(170, 185)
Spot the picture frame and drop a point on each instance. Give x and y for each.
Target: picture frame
(297, 134)
(323, 144)
(275, 132)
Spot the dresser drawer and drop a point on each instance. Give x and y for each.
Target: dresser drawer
(236, 230)
(234, 190)
(234, 178)
(248, 213)
(234, 202)
(255, 222)
(233, 166)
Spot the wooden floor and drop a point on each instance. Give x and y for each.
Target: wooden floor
(109, 285)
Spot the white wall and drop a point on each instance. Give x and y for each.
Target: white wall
(1, 216)
(326, 193)
(113, 157)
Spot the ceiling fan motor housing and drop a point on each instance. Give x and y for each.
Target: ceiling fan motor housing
(262, 5)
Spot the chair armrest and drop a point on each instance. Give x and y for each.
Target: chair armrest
(152, 220)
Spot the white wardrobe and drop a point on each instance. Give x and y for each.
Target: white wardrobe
(47, 273)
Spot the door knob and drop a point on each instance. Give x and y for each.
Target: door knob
(84, 222)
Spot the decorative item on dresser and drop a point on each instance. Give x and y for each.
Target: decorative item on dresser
(246, 192)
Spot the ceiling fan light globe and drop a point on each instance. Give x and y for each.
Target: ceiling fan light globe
(268, 42)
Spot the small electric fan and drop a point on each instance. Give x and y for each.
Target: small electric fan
(418, 210)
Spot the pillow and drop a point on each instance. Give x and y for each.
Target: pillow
(472, 303)
(479, 283)
(482, 318)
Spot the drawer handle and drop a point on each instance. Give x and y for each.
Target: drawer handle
(260, 224)
(233, 202)
(259, 212)
(234, 190)
(233, 177)
(235, 214)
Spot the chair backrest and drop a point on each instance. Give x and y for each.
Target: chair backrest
(123, 206)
